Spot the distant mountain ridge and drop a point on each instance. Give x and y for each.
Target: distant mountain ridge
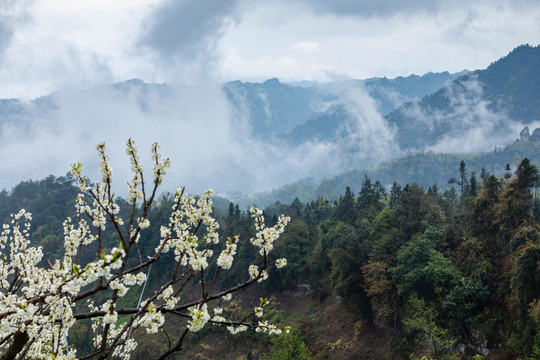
(274, 109)
(278, 132)
(506, 92)
(306, 111)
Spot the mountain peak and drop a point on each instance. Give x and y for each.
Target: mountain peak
(272, 82)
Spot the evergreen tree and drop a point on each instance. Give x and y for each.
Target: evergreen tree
(507, 174)
(379, 190)
(395, 195)
(483, 173)
(367, 195)
(296, 208)
(322, 209)
(516, 202)
(345, 208)
(462, 178)
(434, 189)
(473, 185)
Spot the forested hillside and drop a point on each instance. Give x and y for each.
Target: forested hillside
(424, 168)
(443, 274)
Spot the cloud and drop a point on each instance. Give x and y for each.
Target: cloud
(469, 124)
(13, 14)
(386, 8)
(190, 123)
(188, 30)
(211, 144)
(306, 47)
(374, 8)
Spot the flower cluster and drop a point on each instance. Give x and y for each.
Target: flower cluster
(237, 329)
(199, 317)
(281, 263)
(266, 236)
(42, 307)
(217, 315)
(271, 329)
(105, 166)
(40, 302)
(187, 217)
(160, 167)
(226, 257)
(152, 320)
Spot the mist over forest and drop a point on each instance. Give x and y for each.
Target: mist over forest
(241, 137)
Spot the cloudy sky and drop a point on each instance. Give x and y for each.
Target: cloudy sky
(48, 45)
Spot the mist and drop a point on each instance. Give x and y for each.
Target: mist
(210, 143)
(475, 126)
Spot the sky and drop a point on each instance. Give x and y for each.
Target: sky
(49, 45)
(61, 46)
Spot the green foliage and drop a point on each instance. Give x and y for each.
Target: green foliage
(385, 239)
(345, 209)
(475, 261)
(349, 254)
(414, 258)
(465, 301)
(441, 272)
(381, 290)
(515, 201)
(321, 265)
(289, 346)
(296, 246)
(432, 340)
(525, 282)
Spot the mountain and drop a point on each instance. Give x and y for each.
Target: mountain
(493, 102)
(256, 136)
(330, 125)
(272, 108)
(311, 111)
(391, 93)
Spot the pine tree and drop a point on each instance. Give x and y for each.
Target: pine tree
(395, 195)
(462, 178)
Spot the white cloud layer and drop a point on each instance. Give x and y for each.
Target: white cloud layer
(54, 45)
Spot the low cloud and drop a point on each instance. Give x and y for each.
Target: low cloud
(211, 145)
(472, 124)
(13, 14)
(306, 47)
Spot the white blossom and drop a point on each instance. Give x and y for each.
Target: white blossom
(259, 311)
(42, 305)
(281, 263)
(236, 329)
(199, 317)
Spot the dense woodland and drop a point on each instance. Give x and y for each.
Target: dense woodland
(448, 274)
